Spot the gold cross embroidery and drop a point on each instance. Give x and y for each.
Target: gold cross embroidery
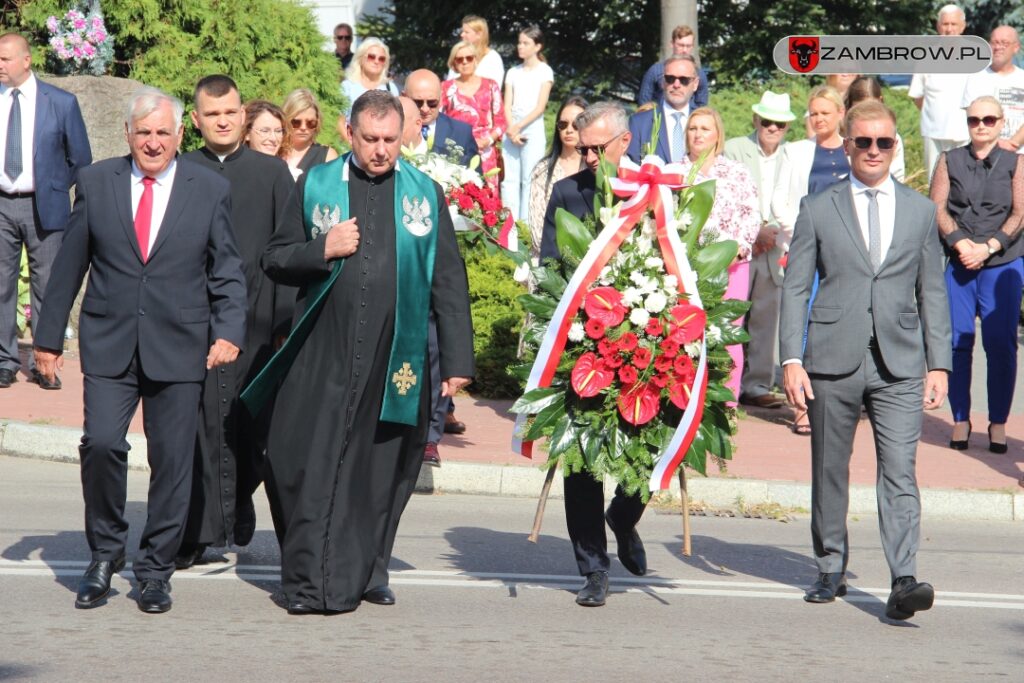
(404, 379)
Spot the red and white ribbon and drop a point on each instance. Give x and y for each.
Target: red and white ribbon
(648, 187)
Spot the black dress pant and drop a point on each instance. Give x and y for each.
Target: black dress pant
(584, 516)
(170, 416)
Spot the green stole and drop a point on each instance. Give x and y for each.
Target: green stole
(416, 223)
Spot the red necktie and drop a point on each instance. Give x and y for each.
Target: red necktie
(143, 216)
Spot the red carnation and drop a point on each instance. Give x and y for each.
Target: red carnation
(490, 203)
(605, 304)
(466, 202)
(642, 358)
(590, 376)
(594, 329)
(490, 219)
(654, 327)
(628, 341)
(639, 404)
(689, 323)
(627, 375)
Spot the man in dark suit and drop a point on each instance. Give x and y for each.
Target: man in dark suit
(603, 129)
(44, 145)
(879, 336)
(423, 87)
(681, 78)
(165, 278)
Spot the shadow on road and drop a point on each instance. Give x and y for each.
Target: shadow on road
(936, 431)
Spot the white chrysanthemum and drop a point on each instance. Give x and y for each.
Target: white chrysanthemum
(655, 302)
(686, 219)
(654, 262)
(522, 272)
(692, 349)
(671, 283)
(620, 258)
(714, 334)
(576, 332)
(632, 296)
(606, 277)
(644, 245)
(639, 279)
(639, 317)
(648, 227)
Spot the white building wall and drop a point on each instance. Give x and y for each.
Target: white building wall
(330, 13)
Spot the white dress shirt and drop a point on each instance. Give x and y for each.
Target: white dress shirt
(27, 99)
(668, 121)
(161, 195)
(886, 210)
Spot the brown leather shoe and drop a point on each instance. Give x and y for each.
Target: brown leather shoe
(762, 401)
(453, 425)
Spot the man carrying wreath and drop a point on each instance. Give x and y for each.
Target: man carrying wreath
(371, 243)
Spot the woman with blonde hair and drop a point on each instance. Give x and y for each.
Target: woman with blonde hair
(488, 62)
(368, 71)
(475, 100)
(303, 121)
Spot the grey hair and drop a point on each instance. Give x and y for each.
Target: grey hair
(949, 9)
(672, 59)
(614, 112)
(147, 100)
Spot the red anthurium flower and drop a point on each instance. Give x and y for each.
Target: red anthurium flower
(605, 305)
(642, 358)
(639, 404)
(627, 375)
(594, 329)
(654, 327)
(690, 322)
(669, 348)
(628, 341)
(590, 376)
(679, 394)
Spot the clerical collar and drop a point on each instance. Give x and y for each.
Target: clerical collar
(226, 157)
(363, 173)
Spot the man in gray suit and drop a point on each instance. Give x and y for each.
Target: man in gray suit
(760, 153)
(878, 335)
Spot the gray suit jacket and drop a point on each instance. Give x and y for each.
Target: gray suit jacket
(745, 151)
(904, 304)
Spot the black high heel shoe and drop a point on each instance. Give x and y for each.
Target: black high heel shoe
(962, 445)
(994, 446)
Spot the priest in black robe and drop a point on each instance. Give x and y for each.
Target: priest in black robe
(343, 467)
(231, 444)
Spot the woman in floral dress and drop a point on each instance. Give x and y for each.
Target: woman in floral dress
(477, 101)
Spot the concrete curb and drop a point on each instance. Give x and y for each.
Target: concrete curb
(46, 442)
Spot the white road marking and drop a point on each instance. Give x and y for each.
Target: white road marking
(501, 580)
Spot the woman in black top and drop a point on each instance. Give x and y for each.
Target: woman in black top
(978, 190)
(303, 121)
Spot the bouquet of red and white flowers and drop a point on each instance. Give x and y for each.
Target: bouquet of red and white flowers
(480, 205)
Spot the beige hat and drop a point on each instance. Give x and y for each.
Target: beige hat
(774, 107)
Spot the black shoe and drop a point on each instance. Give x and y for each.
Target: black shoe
(631, 549)
(154, 596)
(7, 377)
(189, 555)
(907, 597)
(594, 591)
(95, 583)
(38, 378)
(995, 446)
(245, 523)
(961, 445)
(300, 608)
(453, 425)
(381, 595)
(827, 588)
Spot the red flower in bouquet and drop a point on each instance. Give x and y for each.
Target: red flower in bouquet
(490, 203)
(604, 304)
(660, 381)
(628, 341)
(642, 358)
(689, 323)
(654, 327)
(490, 219)
(590, 376)
(627, 375)
(594, 329)
(662, 363)
(683, 377)
(606, 347)
(669, 348)
(639, 404)
(465, 202)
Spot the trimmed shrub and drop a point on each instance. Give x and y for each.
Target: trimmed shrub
(497, 319)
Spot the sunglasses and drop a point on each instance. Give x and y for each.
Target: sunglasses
(565, 125)
(584, 150)
(339, 38)
(376, 58)
(267, 132)
(304, 123)
(765, 123)
(683, 80)
(465, 60)
(430, 104)
(989, 121)
(865, 142)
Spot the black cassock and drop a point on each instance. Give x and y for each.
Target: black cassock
(342, 476)
(230, 445)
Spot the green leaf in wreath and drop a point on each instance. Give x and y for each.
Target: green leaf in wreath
(571, 235)
(563, 437)
(697, 456)
(697, 200)
(549, 280)
(539, 305)
(718, 392)
(715, 258)
(545, 420)
(536, 400)
(591, 441)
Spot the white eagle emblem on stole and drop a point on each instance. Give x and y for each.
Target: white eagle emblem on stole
(417, 216)
(325, 220)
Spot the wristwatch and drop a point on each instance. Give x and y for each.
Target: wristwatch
(991, 250)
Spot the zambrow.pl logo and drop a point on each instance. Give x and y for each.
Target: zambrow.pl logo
(877, 54)
(803, 53)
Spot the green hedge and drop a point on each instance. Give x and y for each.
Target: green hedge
(497, 319)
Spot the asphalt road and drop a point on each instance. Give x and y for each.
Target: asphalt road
(477, 601)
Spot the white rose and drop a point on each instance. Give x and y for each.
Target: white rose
(639, 317)
(522, 274)
(655, 302)
(576, 332)
(654, 262)
(632, 296)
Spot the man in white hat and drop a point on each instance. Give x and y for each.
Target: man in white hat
(760, 152)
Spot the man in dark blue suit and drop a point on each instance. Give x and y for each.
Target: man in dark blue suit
(165, 278)
(423, 87)
(43, 144)
(603, 129)
(680, 80)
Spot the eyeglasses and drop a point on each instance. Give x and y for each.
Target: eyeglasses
(565, 125)
(376, 58)
(267, 132)
(766, 123)
(584, 150)
(865, 142)
(430, 104)
(989, 121)
(340, 38)
(465, 60)
(304, 123)
(683, 80)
